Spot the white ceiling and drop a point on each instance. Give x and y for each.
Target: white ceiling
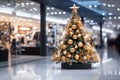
(112, 7)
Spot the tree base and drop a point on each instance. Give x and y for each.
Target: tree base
(76, 66)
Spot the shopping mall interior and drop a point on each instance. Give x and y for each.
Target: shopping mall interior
(59, 39)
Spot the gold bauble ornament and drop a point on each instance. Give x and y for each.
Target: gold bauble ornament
(76, 47)
(69, 55)
(70, 41)
(77, 31)
(63, 46)
(80, 44)
(72, 50)
(75, 21)
(71, 33)
(77, 57)
(66, 33)
(74, 26)
(79, 24)
(63, 58)
(75, 36)
(54, 57)
(79, 35)
(70, 29)
(61, 42)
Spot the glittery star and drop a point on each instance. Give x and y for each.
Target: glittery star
(74, 8)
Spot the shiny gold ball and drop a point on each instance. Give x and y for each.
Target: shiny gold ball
(72, 50)
(74, 26)
(69, 55)
(70, 29)
(80, 44)
(77, 31)
(66, 33)
(63, 58)
(79, 35)
(79, 24)
(61, 42)
(77, 57)
(75, 21)
(70, 41)
(76, 47)
(71, 33)
(63, 46)
(54, 57)
(75, 36)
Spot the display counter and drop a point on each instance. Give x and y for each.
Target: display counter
(4, 55)
(30, 50)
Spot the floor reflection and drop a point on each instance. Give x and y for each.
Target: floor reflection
(44, 69)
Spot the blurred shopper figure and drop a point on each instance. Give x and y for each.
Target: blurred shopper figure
(37, 39)
(118, 43)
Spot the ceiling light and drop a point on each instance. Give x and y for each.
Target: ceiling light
(35, 9)
(118, 17)
(91, 21)
(110, 17)
(95, 6)
(22, 4)
(27, 3)
(64, 12)
(104, 4)
(52, 13)
(90, 6)
(8, 4)
(110, 13)
(59, 12)
(103, 14)
(113, 5)
(52, 8)
(55, 13)
(118, 9)
(109, 5)
(48, 8)
(32, 3)
(115, 17)
(47, 14)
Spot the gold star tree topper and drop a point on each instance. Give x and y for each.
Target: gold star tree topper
(74, 8)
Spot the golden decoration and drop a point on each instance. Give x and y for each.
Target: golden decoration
(61, 42)
(74, 26)
(63, 46)
(69, 55)
(66, 33)
(79, 35)
(75, 36)
(74, 8)
(70, 41)
(77, 57)
(76, 47)
(70, 29)
(63, 58)
(96, 58)
(71, 33)
(75, 21)
(79, 24)
(78, 31)
(72, 50)
(80, 44)
(54, 57)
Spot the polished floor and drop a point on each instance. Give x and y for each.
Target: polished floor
(44, 69)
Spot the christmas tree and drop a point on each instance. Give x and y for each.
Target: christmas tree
(76, 45)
